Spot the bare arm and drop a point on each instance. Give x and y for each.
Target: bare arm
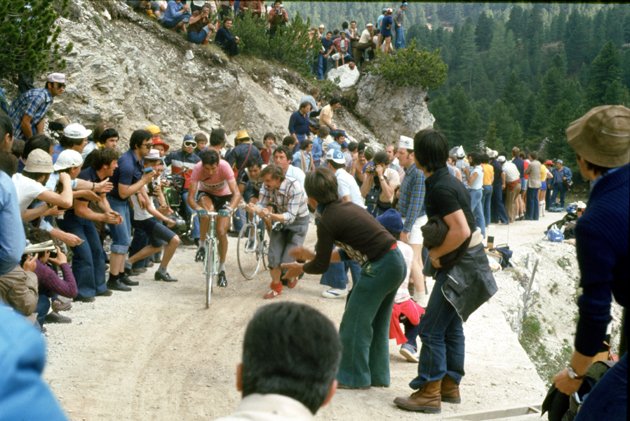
(126, 191)
(367, 185)
(40, 126)
(346, 198)
(472, 179)
(236, 194)
(30, 214)
(63, 199)
(192, 192)
(26, 126)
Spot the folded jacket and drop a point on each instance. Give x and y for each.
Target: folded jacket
(434, 232)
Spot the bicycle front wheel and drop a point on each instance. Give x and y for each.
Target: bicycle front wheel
(210, 269)
(246, 251)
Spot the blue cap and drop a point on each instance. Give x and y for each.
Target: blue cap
(404, 4)
(335, 156)
(391, 220)
(384, 10)
(189, 137)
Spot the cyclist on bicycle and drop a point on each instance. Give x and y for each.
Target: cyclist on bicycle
(214, 179)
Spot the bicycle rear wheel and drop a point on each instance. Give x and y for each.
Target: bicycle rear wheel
(210, 269)
(248, 257)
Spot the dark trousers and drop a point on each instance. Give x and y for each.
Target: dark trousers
(364, 329)
(88, 260)
(43, 305)
(337, 274)
(497, 212)
(140, 241)
(230, 48)
(411, 331)
(442, 336)
(531, 208)
(558, 187)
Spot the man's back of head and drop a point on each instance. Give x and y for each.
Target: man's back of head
(293, 350)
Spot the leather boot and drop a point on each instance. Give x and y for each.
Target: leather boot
(426, 399)
(450, 390)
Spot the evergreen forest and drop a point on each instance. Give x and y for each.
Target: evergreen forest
(518, 73)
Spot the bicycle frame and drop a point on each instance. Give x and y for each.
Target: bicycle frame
(211, 262)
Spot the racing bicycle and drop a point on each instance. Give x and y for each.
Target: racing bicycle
(252, 247)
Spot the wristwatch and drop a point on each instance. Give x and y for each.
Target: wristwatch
(382, 178)
(573, 375)
(434, 260)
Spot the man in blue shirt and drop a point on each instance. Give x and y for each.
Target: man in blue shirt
(298, 124)
(12, 240)
(560, 175)
(29, 109)
(411, 208)
(318, 141)
(128, 179)
(176, 15)
(324, 53)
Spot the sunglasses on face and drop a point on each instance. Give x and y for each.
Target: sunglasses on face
(189, 144)
(148, 145)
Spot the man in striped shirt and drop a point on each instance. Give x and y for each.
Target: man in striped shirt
(29, 109)
(289, 218)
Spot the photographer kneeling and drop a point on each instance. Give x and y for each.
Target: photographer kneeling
(364, 329)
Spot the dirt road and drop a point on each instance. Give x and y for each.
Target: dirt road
(156, 353)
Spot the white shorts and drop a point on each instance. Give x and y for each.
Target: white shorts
(415, 235)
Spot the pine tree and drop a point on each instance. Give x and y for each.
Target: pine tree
(516, 22)
(468, 52)
(514, 95)
(460, 108)
(614, 26)
(605, 69)
(28, 37)
(553, 86)
(558, 147)
(441, 110)
(492, 138)
(502, 120)
(483, 32)
(576, 41)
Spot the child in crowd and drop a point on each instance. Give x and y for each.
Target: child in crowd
(405, 311)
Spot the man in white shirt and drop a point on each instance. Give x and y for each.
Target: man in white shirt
(282, 156)
(365, 42)
(513, 187)
(291, 355)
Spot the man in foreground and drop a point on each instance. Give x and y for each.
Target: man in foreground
(291, 354)
(601, 141)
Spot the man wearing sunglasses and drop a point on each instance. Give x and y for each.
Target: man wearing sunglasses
(28, 110)
(182, 163)
(128, 179)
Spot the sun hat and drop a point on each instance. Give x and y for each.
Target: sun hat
(154, 155)
(460, 153)
(405, 142)
(242, 134)
(153, 129)
(67, 159)
(549, 162)
(158, 141)
(335, 156)
(391, 221)
(322, 26)
(56, 77)
(501, 158)
(39, 161)
(602, 136)
(76, 131)
(389, 11)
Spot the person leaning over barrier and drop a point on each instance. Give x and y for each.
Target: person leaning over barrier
(291, 354)
(601, 141)
(364, 329)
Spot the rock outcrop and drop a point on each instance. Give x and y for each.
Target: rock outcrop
(392, 111)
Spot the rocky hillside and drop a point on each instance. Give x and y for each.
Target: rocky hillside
(129, 72)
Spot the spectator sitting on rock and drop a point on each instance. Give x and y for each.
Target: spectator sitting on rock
(227, 41)
(29, 109)
(303, 159)
(301, 378)
(278, 16)
(341, 46)
(324, 54)
(298, 123)
(365, 43)
(326, 116)
(202, 142)
(176, 16)
(340, 139)
(199, 26)
(50, 284)
(311, 98)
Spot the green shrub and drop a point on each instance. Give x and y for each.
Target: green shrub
(411, 67)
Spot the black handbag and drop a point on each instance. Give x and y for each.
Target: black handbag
(372, 197)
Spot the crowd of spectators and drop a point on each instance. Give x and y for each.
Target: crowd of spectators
(201, 20)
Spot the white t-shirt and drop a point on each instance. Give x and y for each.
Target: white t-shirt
(347, 185)
(140, 214)
(296, 173)
(27, 190)
(365, 37)
(402, 294)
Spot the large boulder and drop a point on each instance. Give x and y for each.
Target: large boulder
(344, 76)
(392, 111)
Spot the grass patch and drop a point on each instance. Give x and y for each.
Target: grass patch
(547, 363)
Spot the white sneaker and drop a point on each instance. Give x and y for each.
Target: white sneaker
(421, 298)
(335, 293)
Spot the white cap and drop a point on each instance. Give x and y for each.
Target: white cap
(153, 155)
(68, 159)
(335, 156)
(460, 152)
(492, 154)
(369, 24)
(405, 142)
(501, 158)
(76, 131)
(56, 77)
(322, 26)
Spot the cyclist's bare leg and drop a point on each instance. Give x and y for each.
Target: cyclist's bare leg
(204, 221)
(223, 223)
